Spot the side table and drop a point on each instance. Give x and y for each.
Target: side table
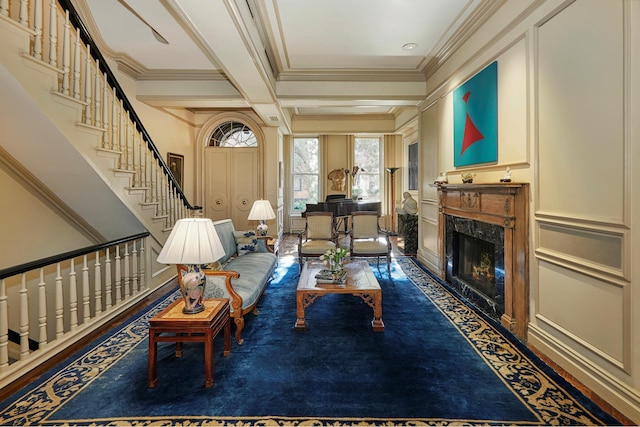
(172, 325)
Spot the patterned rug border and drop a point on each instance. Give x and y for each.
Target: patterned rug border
(508, 358)
(537, 391)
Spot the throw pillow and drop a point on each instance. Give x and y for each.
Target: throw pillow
(246, 241)
(216, 266)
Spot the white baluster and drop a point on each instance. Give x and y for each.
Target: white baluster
(134, 268)
(37, 27)
(134, 158)
(121, 136)
(105, 111)
(4, 10)
(87, 88)
(76, 66)
(53, 34)
(66, 55)
(86, 293)
(73, 297)
(97, 285)
(23, 13)
(107, 279)
(118, 276)
(127, 277)
(96, 96)
(24, 318)
(125, 141)
(59, 304)
(146, 173)
(114, 119)
(4, 328)
(143, 264)
(42, 309)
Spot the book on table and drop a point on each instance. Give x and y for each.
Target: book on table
(328, 276)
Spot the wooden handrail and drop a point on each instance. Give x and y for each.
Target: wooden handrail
(75, 20)
(33, 265)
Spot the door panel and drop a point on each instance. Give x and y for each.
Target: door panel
(231, 184)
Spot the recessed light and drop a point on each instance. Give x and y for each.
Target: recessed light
(409, 46)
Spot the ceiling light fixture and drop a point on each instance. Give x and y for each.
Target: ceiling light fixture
(409, 46)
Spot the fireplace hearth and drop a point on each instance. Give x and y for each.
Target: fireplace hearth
(484, 248)
(475, 263)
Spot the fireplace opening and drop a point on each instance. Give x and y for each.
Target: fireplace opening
(475, 262)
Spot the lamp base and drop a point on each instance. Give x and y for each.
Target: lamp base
(262, 228)
(192, 288)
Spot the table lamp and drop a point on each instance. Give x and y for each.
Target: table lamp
(192, 242)
(261, 211)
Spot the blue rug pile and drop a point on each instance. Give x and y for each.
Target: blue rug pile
(438, 362)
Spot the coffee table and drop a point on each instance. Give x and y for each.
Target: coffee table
(360, 282)
(172, 325)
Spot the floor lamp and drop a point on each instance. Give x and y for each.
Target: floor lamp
(392, 172)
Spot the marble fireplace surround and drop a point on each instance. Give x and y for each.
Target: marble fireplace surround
(505, 205)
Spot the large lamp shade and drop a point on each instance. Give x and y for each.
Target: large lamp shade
(192, 242)
(261, 211)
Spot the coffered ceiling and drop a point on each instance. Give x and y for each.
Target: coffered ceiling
(283, 58)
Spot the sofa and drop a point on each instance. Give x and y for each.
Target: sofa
(242, 274)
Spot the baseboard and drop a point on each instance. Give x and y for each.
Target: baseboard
(607, 387)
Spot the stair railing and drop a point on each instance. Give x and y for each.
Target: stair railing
(61, 40)
(59, 299)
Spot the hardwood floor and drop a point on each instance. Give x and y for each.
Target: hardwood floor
(288, 247)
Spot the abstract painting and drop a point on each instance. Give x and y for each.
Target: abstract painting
(475, 119)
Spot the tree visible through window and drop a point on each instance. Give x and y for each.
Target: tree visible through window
(233, 134)
(366, 156)
(306, 170)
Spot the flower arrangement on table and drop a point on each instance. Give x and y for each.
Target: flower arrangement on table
(334, 258)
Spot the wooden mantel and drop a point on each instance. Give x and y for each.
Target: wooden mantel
(505, 205)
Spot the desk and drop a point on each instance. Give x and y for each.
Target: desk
(172, 325)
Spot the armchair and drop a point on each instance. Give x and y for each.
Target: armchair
(368, 239)
(318, 236)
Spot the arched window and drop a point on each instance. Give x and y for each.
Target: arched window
(233, 134)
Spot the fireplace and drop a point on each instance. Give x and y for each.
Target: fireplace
(475, 262)
(484, 248)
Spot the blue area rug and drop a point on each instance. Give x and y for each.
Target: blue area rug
(437, 362)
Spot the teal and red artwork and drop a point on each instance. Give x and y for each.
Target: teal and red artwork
(475, 118)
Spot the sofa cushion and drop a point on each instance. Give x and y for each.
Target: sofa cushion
(254, 269)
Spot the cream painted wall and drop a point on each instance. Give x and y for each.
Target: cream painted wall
(568, 101)
(48, 233)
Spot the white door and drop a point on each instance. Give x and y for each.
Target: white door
(231, 184)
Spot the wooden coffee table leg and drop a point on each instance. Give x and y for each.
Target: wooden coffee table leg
(376, 323)
(300, 323)
(152, 381)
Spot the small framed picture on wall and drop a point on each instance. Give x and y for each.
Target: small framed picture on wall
(413, 166)
(176, 166)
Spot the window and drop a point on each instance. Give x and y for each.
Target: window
(233, 134)
(366, 155)
(306, 172)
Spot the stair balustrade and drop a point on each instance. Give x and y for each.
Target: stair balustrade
(47, 305)
(61, 41)
(55, 301)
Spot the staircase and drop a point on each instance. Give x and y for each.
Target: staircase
(66, 120)
(84, 108)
